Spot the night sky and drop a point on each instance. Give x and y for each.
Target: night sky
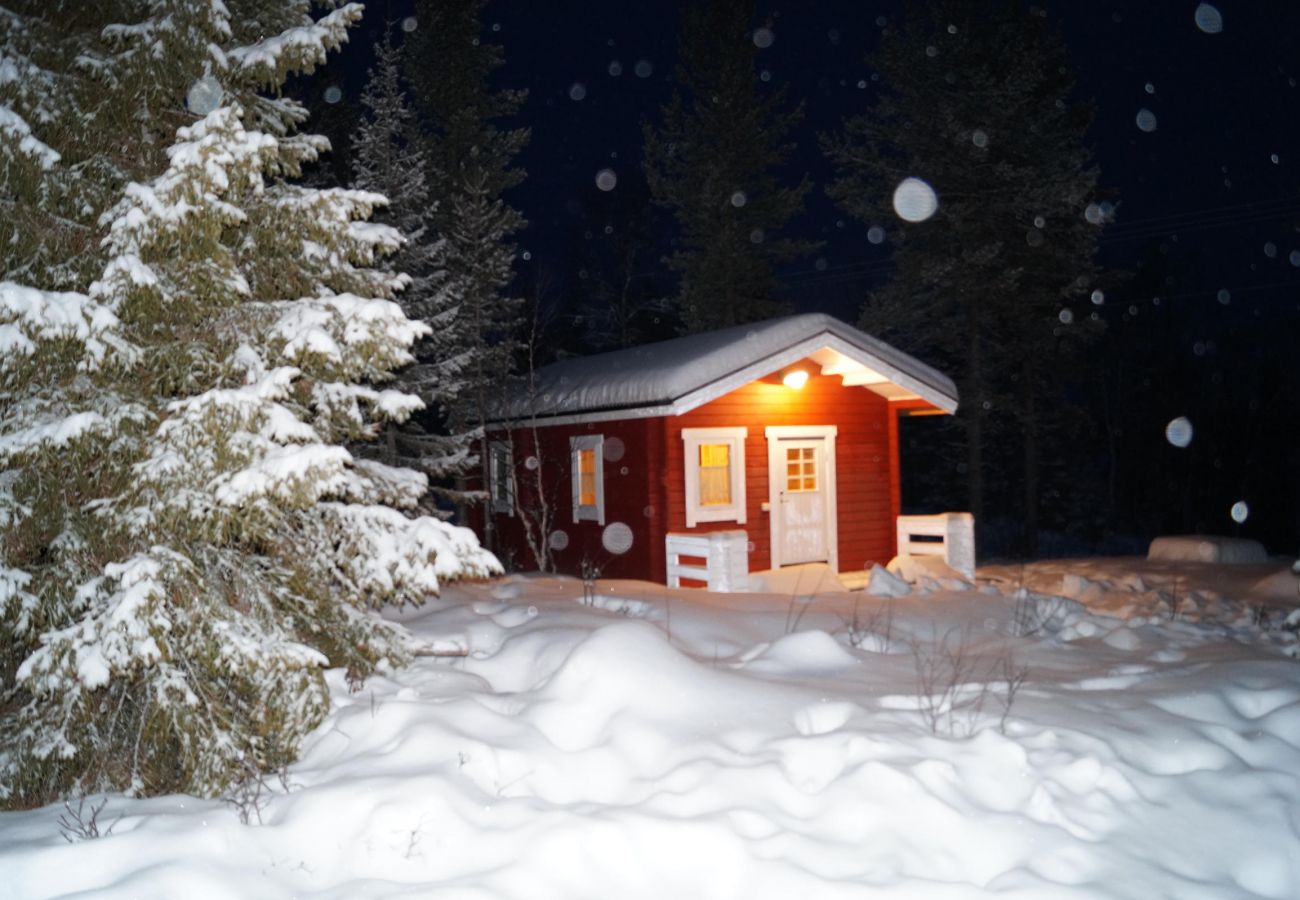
(1207, 191)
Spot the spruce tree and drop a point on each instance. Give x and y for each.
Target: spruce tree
(616, 304)
(470, 166)
(713, 161)
(187, 542)
(977, 101)
(387, 157)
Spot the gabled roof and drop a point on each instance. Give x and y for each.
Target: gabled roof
(675, 376)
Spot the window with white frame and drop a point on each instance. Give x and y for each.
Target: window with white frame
(588, 468)
(715, 474)
(501, 477)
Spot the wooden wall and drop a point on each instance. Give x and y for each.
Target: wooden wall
(867, 498)
(645, 484)
(633, 481)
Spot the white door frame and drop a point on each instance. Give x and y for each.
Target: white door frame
(776, 478)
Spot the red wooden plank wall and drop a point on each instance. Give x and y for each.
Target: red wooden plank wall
(645, 488)
(632, 460)
(866, 469)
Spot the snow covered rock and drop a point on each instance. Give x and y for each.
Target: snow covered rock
(928, 572)
(884, 583)
(1206, 549)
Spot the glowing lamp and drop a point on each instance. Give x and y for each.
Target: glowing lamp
(795, 378)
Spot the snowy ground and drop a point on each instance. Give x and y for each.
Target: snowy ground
(659, 744)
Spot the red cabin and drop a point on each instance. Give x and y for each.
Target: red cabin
(787, 429)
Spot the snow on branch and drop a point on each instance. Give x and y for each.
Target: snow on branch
(356, 338)
(29, 316)
(117, 635)
(382, 556)
(208, 155)
(15, 134)
(301, 49)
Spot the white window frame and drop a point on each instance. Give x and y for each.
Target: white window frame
(734, 511)
(503, 495)
(588, 513)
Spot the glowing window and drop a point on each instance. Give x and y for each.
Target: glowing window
(715, 474)
(588, 470)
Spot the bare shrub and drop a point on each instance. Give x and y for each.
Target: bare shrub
(879, 622)
(251, 794)
(590, 570)
(943, 671)
(1013, 678)
(81, 824)
(950, 698)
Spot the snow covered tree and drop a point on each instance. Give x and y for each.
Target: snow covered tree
(82, 113)
(471, 166)
(977, 101)
(387, 159)
(712, 163)
(186, 540)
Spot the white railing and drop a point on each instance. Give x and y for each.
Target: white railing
(725, 557)
(950, 535)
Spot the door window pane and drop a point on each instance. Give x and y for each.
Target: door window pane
(800, 469)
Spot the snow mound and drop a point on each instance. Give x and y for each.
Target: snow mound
(623, 606)
(801, 580)
(576, 756)
(1197, 548)
(823, 717)
(804, 651)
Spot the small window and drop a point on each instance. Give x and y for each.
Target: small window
(588, 478)
(800, 470)
(501, 477)
(715, 475)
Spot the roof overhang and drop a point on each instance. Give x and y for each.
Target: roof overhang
(835, 356)
(675, 376)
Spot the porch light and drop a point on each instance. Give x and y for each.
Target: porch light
(795, 378)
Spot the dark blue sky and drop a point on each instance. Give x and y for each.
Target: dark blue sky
(1216, 182)
(1208, 200)
(1204, 182)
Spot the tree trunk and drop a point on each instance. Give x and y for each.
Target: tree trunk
(1029, 429)
(975, 423)
(485, 465)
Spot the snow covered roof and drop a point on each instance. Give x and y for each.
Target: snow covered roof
(675, 376)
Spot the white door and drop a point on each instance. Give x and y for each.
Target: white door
(801, 467)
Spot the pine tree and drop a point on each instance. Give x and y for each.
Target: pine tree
(471, 166)
(616, 304)
(387, 158)
(712, 163)
(186, 540)
(63, 156)
(977, 102)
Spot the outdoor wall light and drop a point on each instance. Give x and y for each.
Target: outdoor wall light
(795, 378)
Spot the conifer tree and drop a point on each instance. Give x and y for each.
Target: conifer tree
(617, 305)
(471, 165)
(977, 102)
(387, 158)
(712, 163)
(187, 542)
